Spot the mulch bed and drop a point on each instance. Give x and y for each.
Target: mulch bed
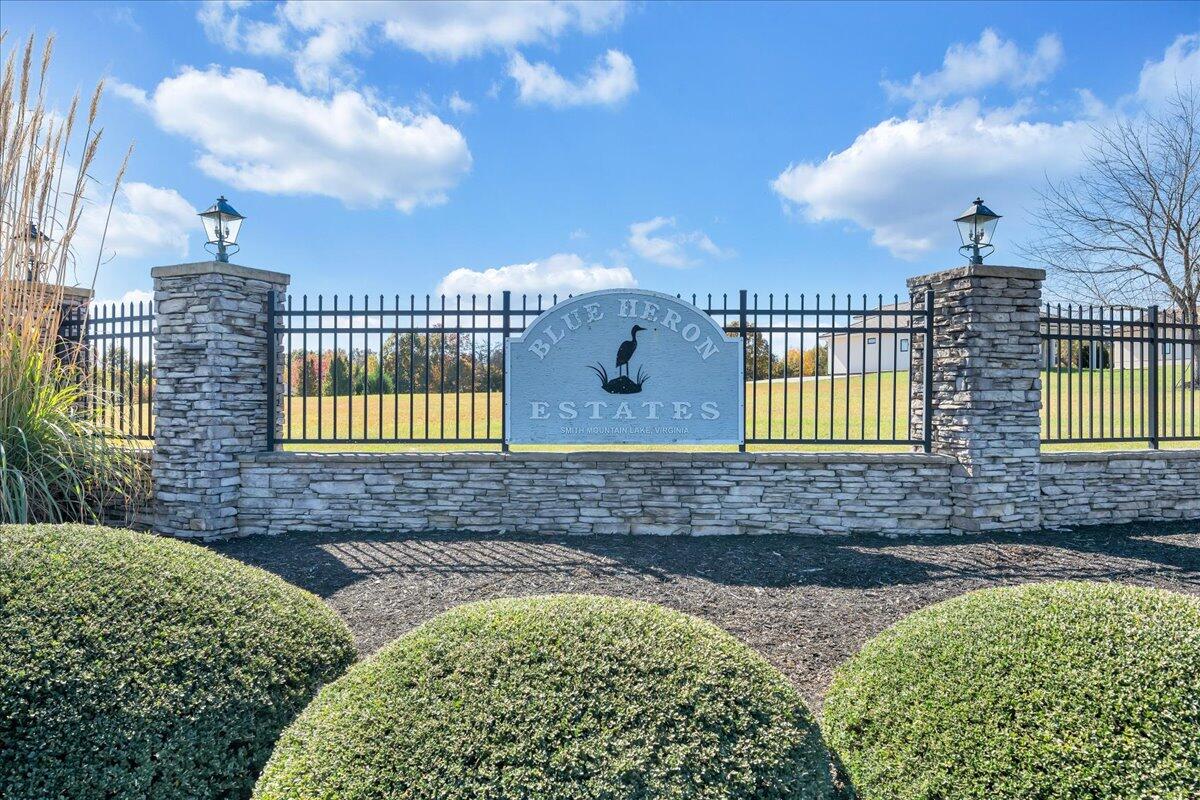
(806, 603)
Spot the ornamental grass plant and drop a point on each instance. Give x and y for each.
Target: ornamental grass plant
(58, 461)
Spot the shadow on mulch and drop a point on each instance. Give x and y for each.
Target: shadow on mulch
(806, 603)
(327, 563)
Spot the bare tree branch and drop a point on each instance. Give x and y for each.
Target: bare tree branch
(1126, 231)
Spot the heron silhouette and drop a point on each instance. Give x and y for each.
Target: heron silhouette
(625, 351)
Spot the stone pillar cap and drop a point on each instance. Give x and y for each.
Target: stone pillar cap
(981, 271)
(220, 268)
(78, 293)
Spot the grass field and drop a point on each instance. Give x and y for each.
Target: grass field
(859, 408)
(1078, 404)
(1112, 404)
(828, 409)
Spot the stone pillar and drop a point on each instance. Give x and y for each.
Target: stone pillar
(72, 317)
(210, 396)
(986, 392)
(75, 300)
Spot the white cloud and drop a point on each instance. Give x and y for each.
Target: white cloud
(610, 80)
(223, 23)
(318, 35)
(125, 91)
(320, 62)
(459, 105)
(904, 179)
(678, 249)
(452, 30)
(969, 68)
(1090, 106)
(1179, 67)
(147, 222)
(265, 137)
(130, 298)
(562, 273)
(120, 15)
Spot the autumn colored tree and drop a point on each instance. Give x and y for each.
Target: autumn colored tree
(302, 374)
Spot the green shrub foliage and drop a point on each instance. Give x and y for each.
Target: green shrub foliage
(554, 697)
(139, 667)
(1058, 690)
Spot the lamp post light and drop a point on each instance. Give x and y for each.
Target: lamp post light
(976, 227)
(36, 239)
(222, 224)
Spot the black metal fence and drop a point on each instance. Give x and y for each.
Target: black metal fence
(828, 370)
(114, 344)
(833, 370)
(1119, 374)
(431, 371)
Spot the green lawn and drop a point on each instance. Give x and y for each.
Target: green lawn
(815, 409)
(828, 409)
(1114, 403)
(818, 410)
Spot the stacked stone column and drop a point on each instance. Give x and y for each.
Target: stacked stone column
(71, 320)
(75, 299)
(986, 392)
(211, 390)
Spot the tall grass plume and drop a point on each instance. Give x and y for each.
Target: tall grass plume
(58, 461)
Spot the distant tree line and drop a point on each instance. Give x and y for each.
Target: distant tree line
(408, 363)
(449, 362)
(121, 377)
(763, 361)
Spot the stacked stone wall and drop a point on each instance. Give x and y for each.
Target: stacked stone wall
(1101, 488)
(986, 391)
(210, 393)
(597, 493)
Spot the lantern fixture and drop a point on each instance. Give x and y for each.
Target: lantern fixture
(976, 227)
(36, 241)
(221, 224)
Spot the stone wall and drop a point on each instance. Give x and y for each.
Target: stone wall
(685, 493)
(1099, 488)
(217, 475)
(210, 394)
(986, 390)
(597, 492)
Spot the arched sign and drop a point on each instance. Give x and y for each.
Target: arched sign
(623, 366)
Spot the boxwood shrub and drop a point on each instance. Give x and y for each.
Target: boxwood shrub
(1057, 690)
(138, 667)
(560, 697)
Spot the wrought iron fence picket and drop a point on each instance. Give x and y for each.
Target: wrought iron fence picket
(1110, 374)
(442, 337)
(113, 345)
(1118, 374)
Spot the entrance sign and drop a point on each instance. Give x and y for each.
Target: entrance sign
(624, 366)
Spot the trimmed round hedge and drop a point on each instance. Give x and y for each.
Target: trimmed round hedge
(138, 667)
(1057, 690)
(564, 697)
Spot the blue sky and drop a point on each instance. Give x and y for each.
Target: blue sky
(391, 147)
